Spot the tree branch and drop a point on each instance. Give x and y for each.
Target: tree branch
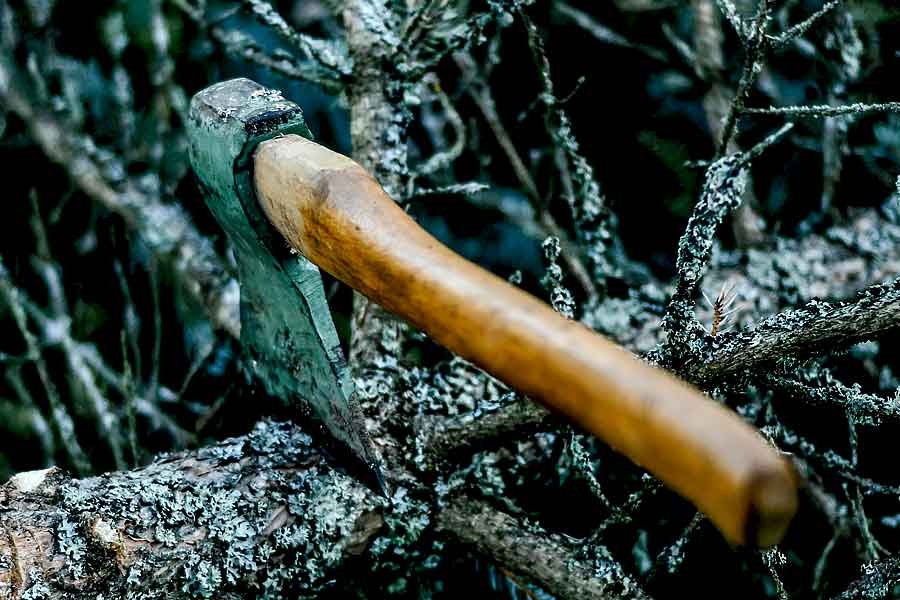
(442, 438)
(261, 515)
(822, 111)
(378, 121)
(818, 327)
(878, 580)
(166, 228)
(863, 408)
(528, 551)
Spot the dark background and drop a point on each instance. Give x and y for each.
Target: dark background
(639, 119)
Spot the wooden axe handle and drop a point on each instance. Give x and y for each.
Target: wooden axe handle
(332, 211)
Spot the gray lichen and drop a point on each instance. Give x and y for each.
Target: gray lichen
(261, 514)
(560, 297)
(802, 332)
(723, 191)
(594, 222)
(877, 580)
(264, 516)
(861, 408)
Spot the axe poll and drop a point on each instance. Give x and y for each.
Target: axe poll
(270, 186)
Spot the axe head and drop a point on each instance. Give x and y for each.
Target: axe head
(287, 332)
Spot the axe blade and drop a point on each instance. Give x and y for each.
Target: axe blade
(287, 332)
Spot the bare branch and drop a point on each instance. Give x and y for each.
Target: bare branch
(327, 54)
(481, 94)
(781, 41)
(594, 223)
(878, 580)
(528, 551)
(867, 409)
(817, 112)
(166, 228)
(755, 49)
(443, 438)
(326, 64)
(729, 10)
(60, 416)
(722, 192)
(603, 33)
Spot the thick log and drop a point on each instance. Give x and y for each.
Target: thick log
(261, 515)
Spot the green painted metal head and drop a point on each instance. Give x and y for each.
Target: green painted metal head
(287, 332)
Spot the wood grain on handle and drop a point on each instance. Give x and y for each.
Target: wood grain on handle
(332, 211)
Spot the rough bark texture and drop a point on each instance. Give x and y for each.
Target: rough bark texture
(444, 438)
(257, 516)
(263, 515)
(378, 129)
(878, 580)
(526, 550)
(817, 328)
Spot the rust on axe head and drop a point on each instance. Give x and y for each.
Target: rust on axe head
(286, 328)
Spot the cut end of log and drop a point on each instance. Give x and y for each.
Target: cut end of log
(30, 482)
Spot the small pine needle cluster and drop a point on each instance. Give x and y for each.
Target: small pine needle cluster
(723, 308)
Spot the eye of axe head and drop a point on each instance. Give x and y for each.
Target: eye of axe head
(287, 332)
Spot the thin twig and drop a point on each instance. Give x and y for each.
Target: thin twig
(755, 48)
(779, 42)
(166, 227)
(822, 111)
(481, 94)
(13, 297)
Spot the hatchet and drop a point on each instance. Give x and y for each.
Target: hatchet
(290, 205)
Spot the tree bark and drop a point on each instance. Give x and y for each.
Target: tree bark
(261, 515)
(528, 551)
